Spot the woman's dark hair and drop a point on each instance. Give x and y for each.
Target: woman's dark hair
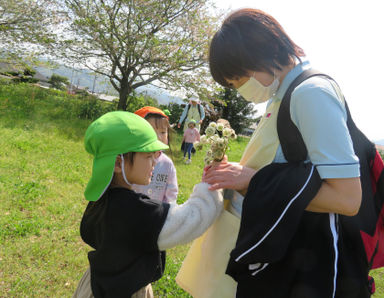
(249, 39)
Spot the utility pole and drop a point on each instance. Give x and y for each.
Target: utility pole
(93, 88)
(70, 85)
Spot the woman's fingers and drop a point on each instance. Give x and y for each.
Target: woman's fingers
(217, 163)
(223, 176)
(215, 186)
(231, 176)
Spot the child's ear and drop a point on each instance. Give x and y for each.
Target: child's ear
(118, 164)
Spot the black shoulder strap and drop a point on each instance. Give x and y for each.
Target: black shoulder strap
(290, 137)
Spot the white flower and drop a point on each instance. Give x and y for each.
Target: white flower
(218, 155)
(217, 145)
(233, 134)
(227, 132)
(212, 124)
(207, 160)
(220, 126)
(214, 138)
(203, 139)
(221, 143)
(210, 131)
(198, 145)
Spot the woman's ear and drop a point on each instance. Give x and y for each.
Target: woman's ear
(118, 165)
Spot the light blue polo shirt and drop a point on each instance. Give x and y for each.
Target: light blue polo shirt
(321, 118)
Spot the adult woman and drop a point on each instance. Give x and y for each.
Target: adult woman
(252, 53)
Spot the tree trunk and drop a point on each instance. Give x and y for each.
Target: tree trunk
(123, 95)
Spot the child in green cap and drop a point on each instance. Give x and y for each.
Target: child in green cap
(128, 231)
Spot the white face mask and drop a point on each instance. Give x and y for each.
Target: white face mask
(254, 91)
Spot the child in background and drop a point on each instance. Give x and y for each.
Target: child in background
(191, 135)
(167, 112)
(128, 231)
(163, 185)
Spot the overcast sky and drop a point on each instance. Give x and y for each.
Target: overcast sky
(343, 38)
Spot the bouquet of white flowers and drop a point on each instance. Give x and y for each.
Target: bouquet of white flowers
(217, 136)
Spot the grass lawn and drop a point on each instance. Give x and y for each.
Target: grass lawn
(43, 172)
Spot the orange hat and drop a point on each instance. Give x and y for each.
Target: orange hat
(150, 110)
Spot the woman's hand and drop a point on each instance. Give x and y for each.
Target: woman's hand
(228, 175)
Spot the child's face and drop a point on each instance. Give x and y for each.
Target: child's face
(161, 128)
(191, 125)
(140, 172)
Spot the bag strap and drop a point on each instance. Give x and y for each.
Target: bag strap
(291, 141)
(294, 150)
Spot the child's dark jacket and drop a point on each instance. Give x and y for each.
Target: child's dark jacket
(123, 228)
(283, 251)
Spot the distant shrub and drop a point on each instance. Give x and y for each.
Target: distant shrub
(90, 107)
(58, 82)
(137, 101)
(23, 76)
(24, 79)
(82, 92)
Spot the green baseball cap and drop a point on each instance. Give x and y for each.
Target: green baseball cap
(112, 134)
(167, 112)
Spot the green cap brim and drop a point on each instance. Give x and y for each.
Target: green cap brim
(102, 174)
(153, 146)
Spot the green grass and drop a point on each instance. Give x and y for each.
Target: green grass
(43, 171)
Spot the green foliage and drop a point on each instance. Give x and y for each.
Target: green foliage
(175, 109)
(24, 79)
(92, 108)
(20, 73)
(136, 43)
(26, 21)
(5, 81)
(24, 99)
(136, 101)
(235, 109)
(58, 82)
(29, 71)
(382, 153)
(43, 173)
(82, 92)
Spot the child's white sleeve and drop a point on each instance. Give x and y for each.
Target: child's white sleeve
(188, 221)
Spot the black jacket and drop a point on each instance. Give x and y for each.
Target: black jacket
(283, 251)
(123, 228)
